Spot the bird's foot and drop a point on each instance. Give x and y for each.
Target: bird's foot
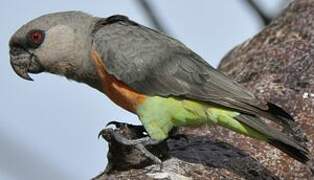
(138, 139)
(139, 130)
(146, 141)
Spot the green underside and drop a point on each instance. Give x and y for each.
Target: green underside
(159, 115)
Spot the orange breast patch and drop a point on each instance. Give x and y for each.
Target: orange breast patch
(116, 90)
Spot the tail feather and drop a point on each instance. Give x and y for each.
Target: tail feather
(279, 112)
(300, 154)
(276, 138)
(279, 116)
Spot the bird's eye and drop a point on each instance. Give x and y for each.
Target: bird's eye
(35, 38)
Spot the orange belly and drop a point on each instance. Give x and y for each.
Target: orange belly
(116, 90)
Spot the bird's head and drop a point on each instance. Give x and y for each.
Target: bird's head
(57, 43)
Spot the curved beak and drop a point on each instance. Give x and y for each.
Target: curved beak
(24, 62)
(20, 67)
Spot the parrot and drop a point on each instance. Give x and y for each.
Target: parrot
(147, 73)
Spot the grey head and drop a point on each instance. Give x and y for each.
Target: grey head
(58, 43)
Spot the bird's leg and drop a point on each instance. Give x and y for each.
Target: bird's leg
(139, 143)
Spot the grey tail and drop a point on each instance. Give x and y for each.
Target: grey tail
(279, 112)
(279, 116)
(276, 138)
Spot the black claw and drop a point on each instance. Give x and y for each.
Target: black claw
(105, 132)
(138, 128)
(116, 123)
(100, 133)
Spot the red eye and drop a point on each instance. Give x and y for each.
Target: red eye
(35, 38)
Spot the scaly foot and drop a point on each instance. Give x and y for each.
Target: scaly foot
(139, 143)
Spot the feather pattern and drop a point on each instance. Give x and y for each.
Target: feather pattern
(155, 64)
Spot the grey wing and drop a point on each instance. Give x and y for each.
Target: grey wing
(157, 65)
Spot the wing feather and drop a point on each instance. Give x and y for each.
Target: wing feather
(154, 64)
